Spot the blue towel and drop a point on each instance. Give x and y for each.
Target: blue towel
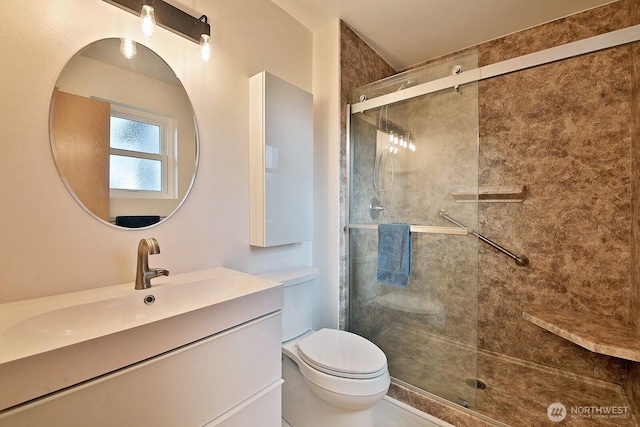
(394, 254)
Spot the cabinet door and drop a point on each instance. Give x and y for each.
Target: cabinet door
(280, 162)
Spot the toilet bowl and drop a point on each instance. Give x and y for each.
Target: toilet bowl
(332, 377)
(341, 368)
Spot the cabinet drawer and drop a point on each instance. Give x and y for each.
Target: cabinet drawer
(264, 410)
(189, 386)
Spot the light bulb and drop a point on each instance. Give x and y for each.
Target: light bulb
(205, 47)
(128, 48)
(148, 17)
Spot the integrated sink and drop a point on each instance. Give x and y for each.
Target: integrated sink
(53, 342)
(64, 322)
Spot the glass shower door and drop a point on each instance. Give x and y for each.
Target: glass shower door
(407, 159)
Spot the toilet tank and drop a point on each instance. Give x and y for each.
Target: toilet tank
(299, 284)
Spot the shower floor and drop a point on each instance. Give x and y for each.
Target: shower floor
(517, 392)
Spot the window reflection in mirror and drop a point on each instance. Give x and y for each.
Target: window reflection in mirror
(123, 134)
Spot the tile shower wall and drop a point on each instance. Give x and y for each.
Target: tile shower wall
(633, 380)
(359, 65)
(563, 130)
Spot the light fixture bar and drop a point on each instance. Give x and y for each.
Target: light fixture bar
(169, 17)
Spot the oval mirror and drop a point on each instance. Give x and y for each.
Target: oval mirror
(123, 134)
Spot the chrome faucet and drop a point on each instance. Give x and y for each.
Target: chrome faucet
(144, 274)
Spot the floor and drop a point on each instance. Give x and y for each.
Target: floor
(392, 413)
(540, 387)
(503, 399)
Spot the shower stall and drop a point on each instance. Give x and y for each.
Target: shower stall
(407, 161)
(535, 152)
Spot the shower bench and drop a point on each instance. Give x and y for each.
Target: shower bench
(601, 335)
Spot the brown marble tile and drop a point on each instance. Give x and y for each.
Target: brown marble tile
(518, 393)
(359, 65)
(593, 22)
(632, 388)
(632, 383)
(562, 130)
(430, 362)
(439, 408)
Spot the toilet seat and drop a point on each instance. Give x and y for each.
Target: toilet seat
(350, 389)
(342, 354)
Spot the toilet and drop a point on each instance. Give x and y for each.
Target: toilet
(331, 377)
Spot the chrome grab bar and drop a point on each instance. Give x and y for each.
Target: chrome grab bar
(520, 260)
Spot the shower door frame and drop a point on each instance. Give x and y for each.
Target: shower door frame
(558, 53)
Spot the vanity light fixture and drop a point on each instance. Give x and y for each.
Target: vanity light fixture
(171, 18)
(205, 47)
(148, 18)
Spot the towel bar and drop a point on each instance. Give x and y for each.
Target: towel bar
(430, 229)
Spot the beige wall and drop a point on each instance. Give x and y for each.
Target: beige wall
(49, 244)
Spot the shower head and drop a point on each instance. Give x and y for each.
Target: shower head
(408, 83)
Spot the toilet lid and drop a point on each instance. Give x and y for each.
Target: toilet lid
(342, 354)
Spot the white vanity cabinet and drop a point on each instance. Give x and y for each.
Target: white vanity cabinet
(231, 378)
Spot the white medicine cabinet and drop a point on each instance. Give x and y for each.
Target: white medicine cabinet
(281, 162)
